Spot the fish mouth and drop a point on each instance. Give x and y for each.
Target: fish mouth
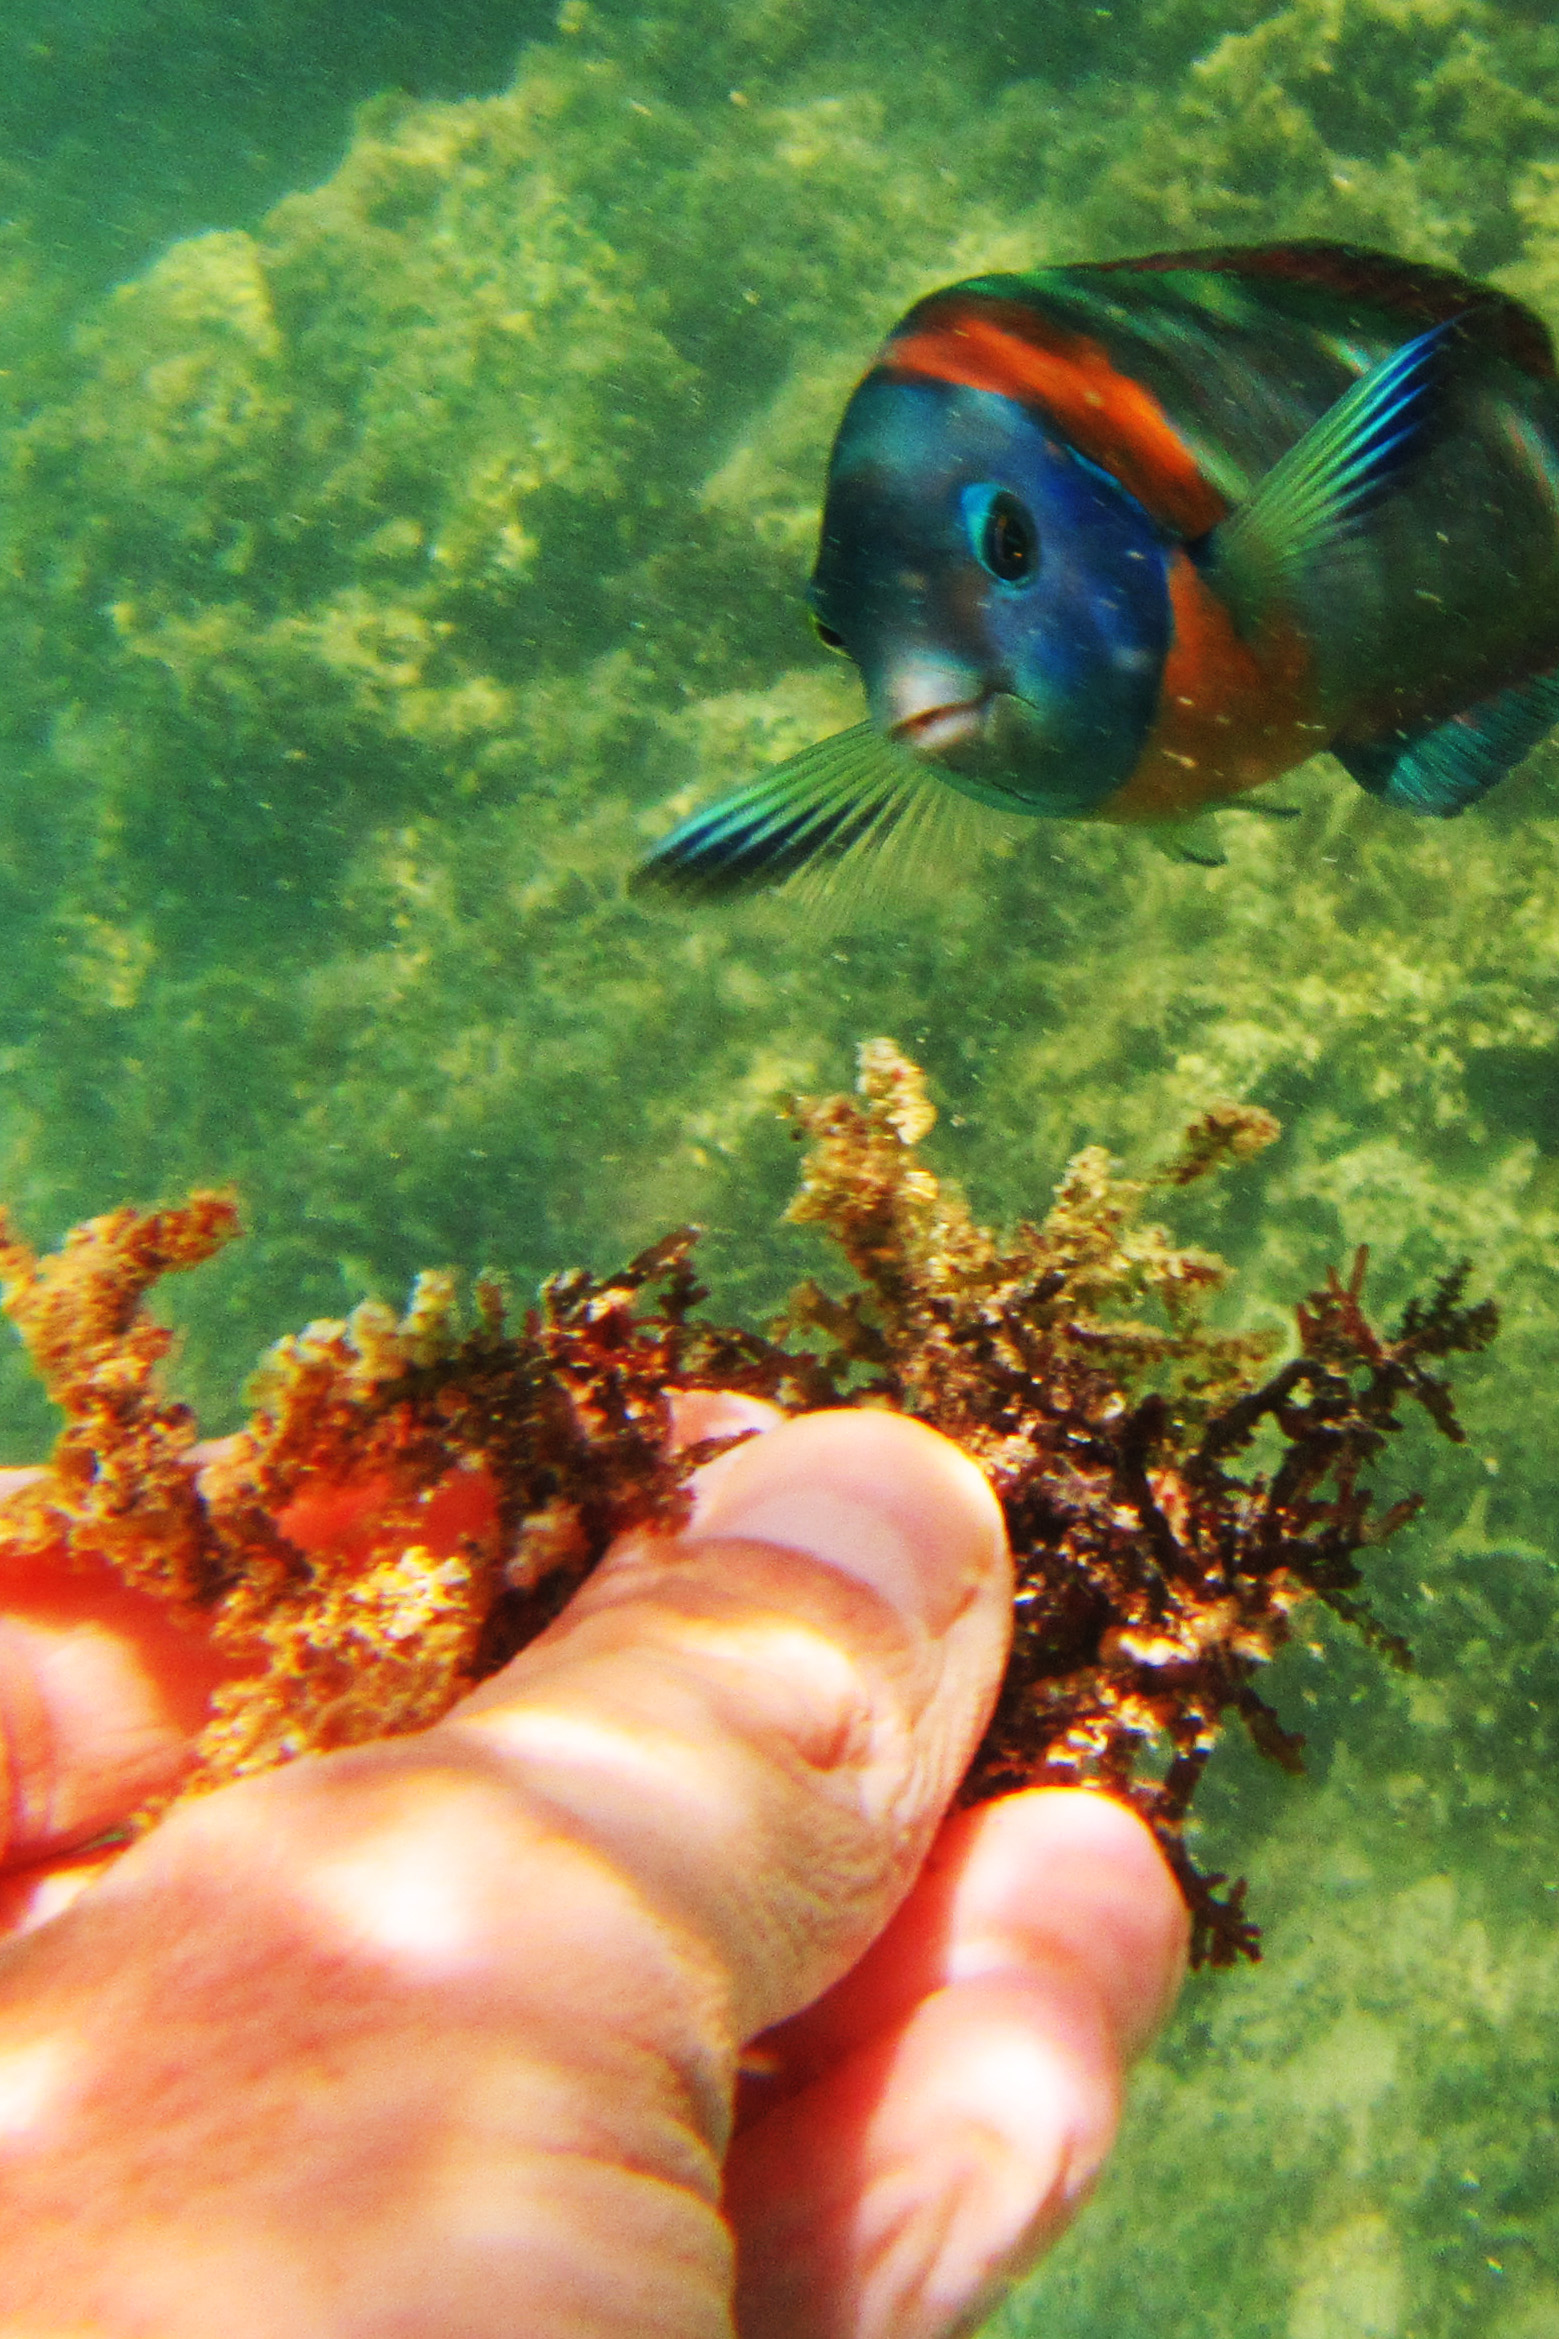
(937, 729)
(989, 747)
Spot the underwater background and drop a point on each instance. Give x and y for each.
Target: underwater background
(412, 422)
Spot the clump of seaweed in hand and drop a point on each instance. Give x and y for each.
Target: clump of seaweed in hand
(1154, 1579)
(414, 1498)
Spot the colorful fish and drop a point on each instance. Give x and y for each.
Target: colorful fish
(1126, 540)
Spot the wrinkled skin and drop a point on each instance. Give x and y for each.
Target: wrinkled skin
(443, 2035)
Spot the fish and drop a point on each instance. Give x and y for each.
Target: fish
(1126, 540)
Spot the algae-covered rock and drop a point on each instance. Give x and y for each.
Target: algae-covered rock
(381, 576)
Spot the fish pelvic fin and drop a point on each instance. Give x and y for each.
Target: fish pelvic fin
(1318, 494)
(852, 816)
(1444, 770)
(1195, 841)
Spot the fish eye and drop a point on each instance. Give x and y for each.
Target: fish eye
(827, 636)
(1003, 534)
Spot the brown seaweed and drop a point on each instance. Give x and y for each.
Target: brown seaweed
(414, 1497)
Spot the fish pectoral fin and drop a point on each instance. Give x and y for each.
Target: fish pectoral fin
(1316, 496)
(815, 804)
(1444, 770)
(853, 804)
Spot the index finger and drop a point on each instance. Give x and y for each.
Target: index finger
(102, 1690)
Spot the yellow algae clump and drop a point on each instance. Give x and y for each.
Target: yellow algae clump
(118, 1487)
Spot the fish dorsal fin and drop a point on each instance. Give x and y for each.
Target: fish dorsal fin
(1317, 495)
(1450, 767)
(1415, 291)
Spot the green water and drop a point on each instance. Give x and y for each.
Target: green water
(400, 518)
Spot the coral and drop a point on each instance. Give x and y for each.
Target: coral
(410, 1503)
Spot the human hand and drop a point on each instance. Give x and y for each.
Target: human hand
(442, 2035)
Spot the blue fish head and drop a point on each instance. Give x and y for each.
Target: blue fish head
(1005, 600)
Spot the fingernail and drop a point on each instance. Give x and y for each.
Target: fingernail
(697, 1414)
(879, 1497)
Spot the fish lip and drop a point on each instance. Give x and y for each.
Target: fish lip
(934, 729)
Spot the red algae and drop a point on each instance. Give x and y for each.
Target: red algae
(414, 1497)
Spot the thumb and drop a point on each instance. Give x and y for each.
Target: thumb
(761, 1721)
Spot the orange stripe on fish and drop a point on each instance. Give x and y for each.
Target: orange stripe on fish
(988, 344)
(1230, 714)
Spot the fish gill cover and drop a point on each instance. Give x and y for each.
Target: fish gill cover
(382, 577)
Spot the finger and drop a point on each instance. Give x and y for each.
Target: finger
(101, 1691)
(447, 2026)
(1051, 1874)
(936, 2120)
(30, 1897)
(761, 1721)
(700, 1414)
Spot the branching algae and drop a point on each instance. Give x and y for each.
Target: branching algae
(414, 1498)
